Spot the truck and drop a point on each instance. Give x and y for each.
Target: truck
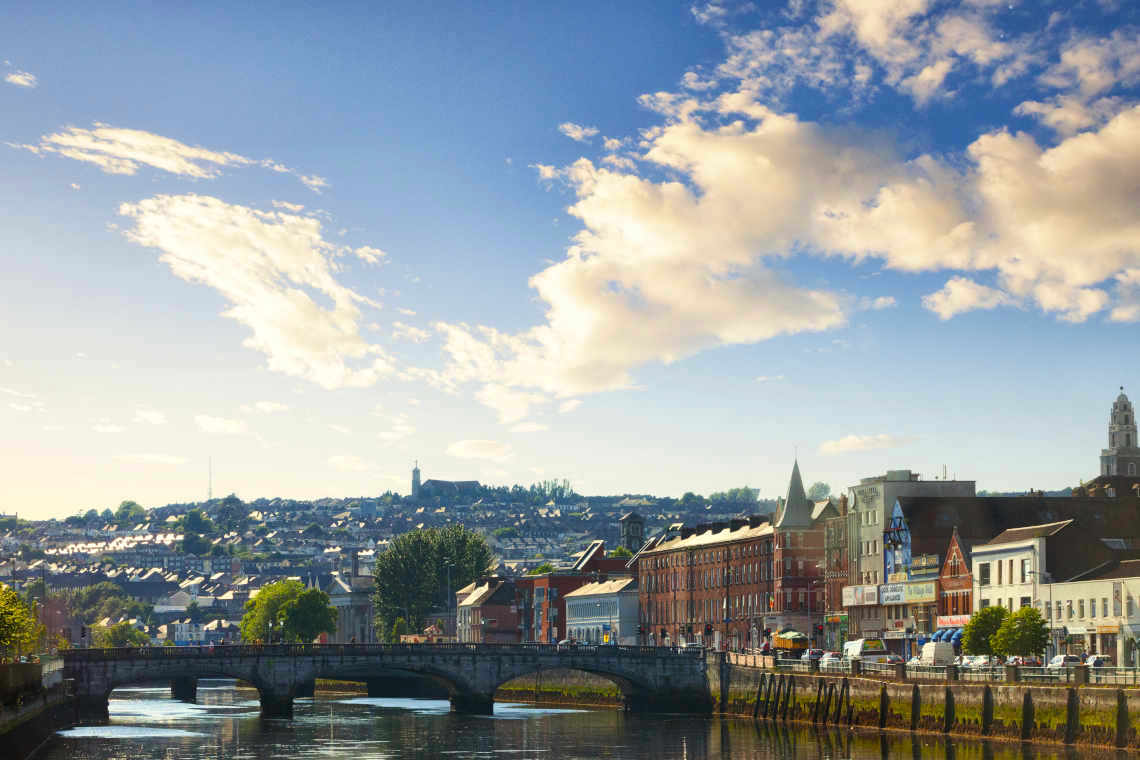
(867, 650)
(937, 653)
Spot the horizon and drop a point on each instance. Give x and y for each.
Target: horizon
(658, 248)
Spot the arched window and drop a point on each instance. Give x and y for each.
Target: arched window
(1131, 468)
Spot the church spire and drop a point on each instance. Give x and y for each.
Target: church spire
(797, 509)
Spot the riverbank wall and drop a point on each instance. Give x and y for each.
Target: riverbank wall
(561, 687)
(1063, 714)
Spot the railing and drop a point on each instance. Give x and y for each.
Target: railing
(878, 668)
(1114, 676)
(991, 674)
(835, 666)
(927, 672)
(1047, 675)
(794, 665)
(359, 650)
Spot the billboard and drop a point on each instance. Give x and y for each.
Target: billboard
(920, 591)
(892, 593)
(859, 596)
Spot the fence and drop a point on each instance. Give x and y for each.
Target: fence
(926, 673)
(983, 675)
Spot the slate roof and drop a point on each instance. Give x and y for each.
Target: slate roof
(1012, 535)
(797, 511)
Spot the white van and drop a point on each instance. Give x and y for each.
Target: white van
(867, 650)
(937, 653)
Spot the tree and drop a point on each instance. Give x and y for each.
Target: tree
(691, 501)
(119, 635)
(128, 513)
(545, 567)
(1023, 633)
(621, 553)
(313, 531)
(107, 516)
(743, 496)
(399, 628)
(307, 616)
(264, 613)
(91, 517)
(412, 574)
(194, 544)
(978, 635)
(232, 515)
(18, 628)
(819, 491)
(195, 521)
(195, 612)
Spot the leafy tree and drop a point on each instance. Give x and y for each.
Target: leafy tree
(307, 616)
(195, 521)
(978, 635)
(819, 491)
(107, 516)
(91, 517)
(129, 513)
(508, 532)
(119, 635)
(195, 612)
(73, 521)
(1023, 633)
(743, 496)
(313, 531)
(18, 628)
(194, 544)
(691, 501)
(412, 574)
(545, 567)
(232, 515)
(92, 603)
(621, 553)
(264, 614)
(399, 628)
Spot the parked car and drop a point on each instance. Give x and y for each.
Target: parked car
(894, 659)
(1064, 661)
(692, 646)
(811, 654)
(830, 657)
(913, 661)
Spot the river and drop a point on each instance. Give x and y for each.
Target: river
(146, 724)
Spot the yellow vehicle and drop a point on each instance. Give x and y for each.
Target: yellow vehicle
(790, 643)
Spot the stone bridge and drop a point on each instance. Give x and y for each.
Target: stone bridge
(650, 678)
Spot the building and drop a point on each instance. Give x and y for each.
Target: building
(1122, 457)
(798, 561)
(1097, 612)
(955, 588)
(604, 612)
(487, 612)
(351, 597)
(632, 531)
(416, 480)
(541, 598)
(836, 572)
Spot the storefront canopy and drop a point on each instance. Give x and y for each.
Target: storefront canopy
(957, 636)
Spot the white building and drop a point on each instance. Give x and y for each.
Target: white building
(1099, 614)
(604, 612)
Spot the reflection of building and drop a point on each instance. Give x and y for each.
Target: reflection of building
(604, 612)
(1122, 457)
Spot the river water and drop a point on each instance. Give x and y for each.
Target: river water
(146, 724)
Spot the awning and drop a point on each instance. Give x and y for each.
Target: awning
(957, 636)
(939, 634)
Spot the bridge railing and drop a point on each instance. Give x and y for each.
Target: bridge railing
(364, 650)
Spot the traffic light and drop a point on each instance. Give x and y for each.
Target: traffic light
(640, 630)
(708, 629)
(663, 633)
(767, 632)
(819, 629)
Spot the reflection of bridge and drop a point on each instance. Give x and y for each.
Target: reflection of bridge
(650, 678)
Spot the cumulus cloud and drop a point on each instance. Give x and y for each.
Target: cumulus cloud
(512, 405)
(490, 450)
(278, 274)
(850, 443)
(960, 295)
(402, 331)
(149, 417)
(164, 459)
(265, 407)
(21, 79)
(117, 150)
(569, 405)
(577, 132)
(294, 208)
(529, 427)
(400, 427)
(220, 425)
(369, 254)
(349, 463)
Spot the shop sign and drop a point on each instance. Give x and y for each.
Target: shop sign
(858, 596)
(1110, 628)
(894, 635)
(897, 577)
(836, 619)
(892, 593)
(1076, 630)
(922, 591)
(924, 563)
(952, 621)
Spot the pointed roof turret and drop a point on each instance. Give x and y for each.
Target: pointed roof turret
(797, 509)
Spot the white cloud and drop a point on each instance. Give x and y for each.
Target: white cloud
(165, 459)
(349, 463)
(577, 132)
(340, 429)
(769, 378)
(569, 405)
(512, 405)
(491, 450)
(265, 407)
(545, 171)
(75, 186)
(107, 427)
(266, 264)
(529, 427)
(21, 79)
(22, 407)
(400, 428)
(369, 254)
(118, 150)
(877, 304)
(619, 162)
(850, 443)
(220, 425)
(16, 393)
(407, 312)
(960, 295)
(294, 208)
(402, 331)
(149, 417)
(313, 182)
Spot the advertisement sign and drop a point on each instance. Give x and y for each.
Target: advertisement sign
(952, 621)
(925, 562)
(920, 591)
(858, 596)
(1110, 628)
(892, 593)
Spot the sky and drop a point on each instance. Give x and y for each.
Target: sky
(651, 248)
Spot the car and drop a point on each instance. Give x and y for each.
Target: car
(830, 657)
(1064, 661)
(811, 654)
(916, 660)
(1099, 661)
(894, 659)
(692, 646)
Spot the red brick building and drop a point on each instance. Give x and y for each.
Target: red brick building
(955, 585)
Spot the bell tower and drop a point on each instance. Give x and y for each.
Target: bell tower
(416, 480)
(1122, 457)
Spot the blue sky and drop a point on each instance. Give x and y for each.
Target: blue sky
(656, 248)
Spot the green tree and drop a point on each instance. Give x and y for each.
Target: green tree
(743, 496)
(232, 515)
(18, 628)
(307, 616)
(978, 635)
(129, 513)
(621, 553)
(313, 531)
(107, 516)
(195, 521)
(691, 501)
(545, 567)
(195, 612)
(91, 517)
(819, 491)
(399, 628)
(264, 614)
(119, 635)
(1023, 633)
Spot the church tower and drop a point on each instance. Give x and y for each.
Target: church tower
(1122, 457)
(416, 480)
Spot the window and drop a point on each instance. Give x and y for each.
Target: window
(1069, 608)
(999, 572)
(1104, 607)
(1129, 606)
(1058, 610)
(1080, 608)
(1092, 608)
(984, 574)
(1024, 569)
(985, 603)
(1025, 602)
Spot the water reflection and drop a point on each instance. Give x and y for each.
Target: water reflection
(225, 725)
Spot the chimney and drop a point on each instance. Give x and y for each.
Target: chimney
(842, 503)
(355, 562)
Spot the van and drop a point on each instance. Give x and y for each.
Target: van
(867, 650)
(937, 653)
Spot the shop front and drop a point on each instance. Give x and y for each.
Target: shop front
(835, 632)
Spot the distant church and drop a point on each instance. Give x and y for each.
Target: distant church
(1122, 457)
(441, 489)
